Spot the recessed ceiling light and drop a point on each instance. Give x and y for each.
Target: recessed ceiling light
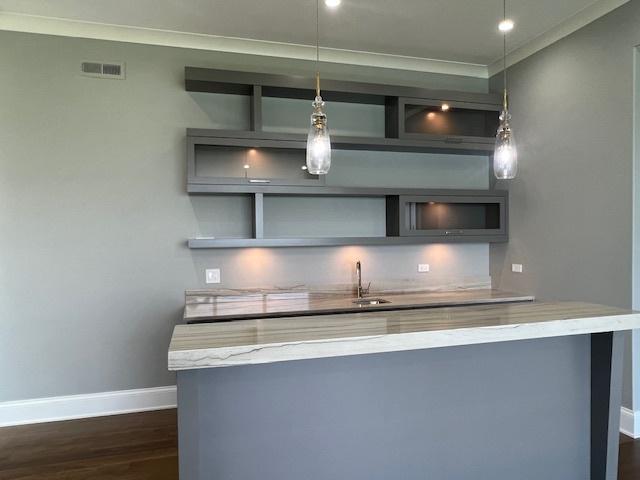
(332, 3)
(506, 25)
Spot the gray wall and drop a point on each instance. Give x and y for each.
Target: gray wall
(94, 214)
(571, 205)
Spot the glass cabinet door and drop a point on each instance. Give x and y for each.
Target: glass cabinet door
(450, 119)
(452, 216)
(224, 161)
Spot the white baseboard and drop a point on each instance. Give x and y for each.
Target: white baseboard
(630, 422)
(54, 409)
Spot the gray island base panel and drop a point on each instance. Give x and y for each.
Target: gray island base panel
(545, 407)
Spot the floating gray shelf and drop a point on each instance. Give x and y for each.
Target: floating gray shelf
(330, 191)
(205, 243)
(430, 143)
(394, 218)
(211, 80)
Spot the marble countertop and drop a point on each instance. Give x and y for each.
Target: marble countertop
(208, 306)
(246, 342)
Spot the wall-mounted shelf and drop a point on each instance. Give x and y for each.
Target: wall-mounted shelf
(329, 191)
(262, 164)
(466, 216)
(433, 144)
(208, 243)
(218, 157)
(467, 126)
(298, 87)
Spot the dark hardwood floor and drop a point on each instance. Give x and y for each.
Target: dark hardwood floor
(139, 446)
(629, 459)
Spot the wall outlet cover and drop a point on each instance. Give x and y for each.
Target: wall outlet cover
(516, 267)
(212, 275)
(424, 268)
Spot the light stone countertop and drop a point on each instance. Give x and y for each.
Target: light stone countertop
(247, 342)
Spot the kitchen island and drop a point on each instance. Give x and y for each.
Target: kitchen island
(503, 391)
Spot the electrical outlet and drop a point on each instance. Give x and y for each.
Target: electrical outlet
(516, 267)
(423, 268)
(212, 275)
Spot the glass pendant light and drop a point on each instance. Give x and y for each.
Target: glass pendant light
(318, 141)
(505, 156)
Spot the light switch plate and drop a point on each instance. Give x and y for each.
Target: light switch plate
(423, 268)
(212, 275)
(516, 267)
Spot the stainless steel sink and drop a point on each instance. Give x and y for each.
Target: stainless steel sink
(370, 301)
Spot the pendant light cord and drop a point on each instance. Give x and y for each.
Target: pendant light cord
(504, 56)
(317, 48)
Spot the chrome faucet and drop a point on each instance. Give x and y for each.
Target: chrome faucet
(361, 291)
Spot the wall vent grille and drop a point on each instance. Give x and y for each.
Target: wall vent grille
(103, 70)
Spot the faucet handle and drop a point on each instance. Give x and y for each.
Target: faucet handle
(366, 290)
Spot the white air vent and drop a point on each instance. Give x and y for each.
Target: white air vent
(103, 70)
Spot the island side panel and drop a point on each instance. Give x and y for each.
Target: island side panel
(607, 350)
(188, 418)
(500, 411)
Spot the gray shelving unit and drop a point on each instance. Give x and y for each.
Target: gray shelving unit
(394, 98)
(215, 158)
(397, 231)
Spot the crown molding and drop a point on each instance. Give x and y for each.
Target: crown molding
(18, 22)
(100, 31)
(563, 29)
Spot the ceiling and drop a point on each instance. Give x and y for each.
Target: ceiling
(453, 31)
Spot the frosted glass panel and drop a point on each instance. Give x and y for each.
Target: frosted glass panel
(357, 168)
(444, 216)
(324, 217)
(263, 163)
(345, 119)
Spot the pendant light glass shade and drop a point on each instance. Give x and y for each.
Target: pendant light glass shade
(505, 156)
(318, 141)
